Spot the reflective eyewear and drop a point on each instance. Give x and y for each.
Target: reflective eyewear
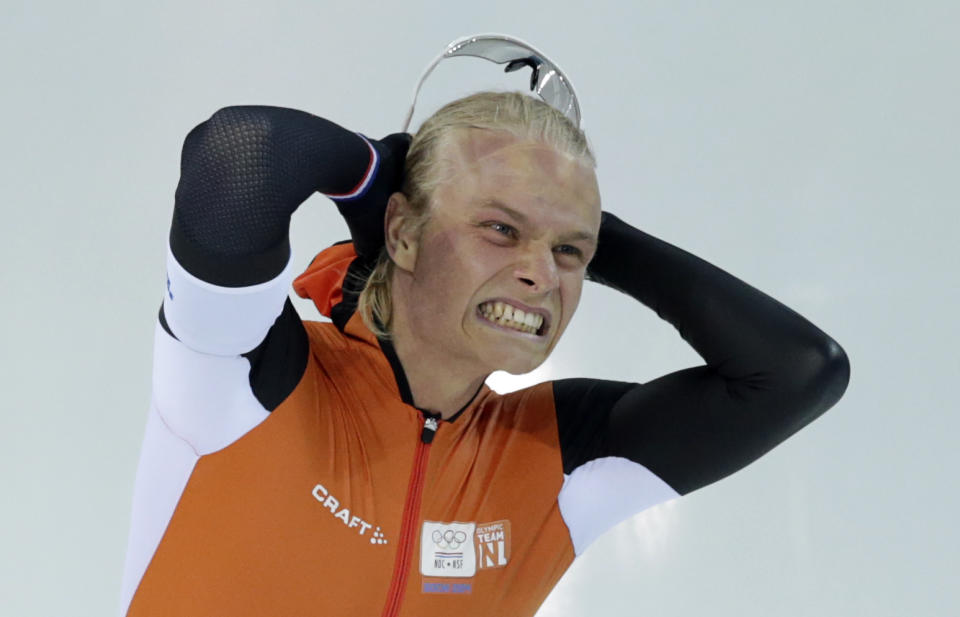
(546, 80)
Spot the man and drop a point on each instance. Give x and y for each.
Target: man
(362, 467)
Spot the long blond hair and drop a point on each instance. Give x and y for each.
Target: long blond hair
(522, 115)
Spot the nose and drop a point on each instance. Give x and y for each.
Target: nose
(537, 270)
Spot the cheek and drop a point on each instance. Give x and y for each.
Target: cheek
(570, 296)
(448, 271)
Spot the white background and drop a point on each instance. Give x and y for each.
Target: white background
(809, 148)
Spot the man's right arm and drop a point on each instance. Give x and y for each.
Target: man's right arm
(229, 346)
(243, 174)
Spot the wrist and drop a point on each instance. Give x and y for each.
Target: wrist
(374, 163)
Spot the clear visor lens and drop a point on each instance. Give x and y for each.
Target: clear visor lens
(554, 89)
(495, 50)
(552, 86)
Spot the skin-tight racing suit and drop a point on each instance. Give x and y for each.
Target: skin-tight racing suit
(286, 470)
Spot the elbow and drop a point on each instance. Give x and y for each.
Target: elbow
(828, 380)
(817, 380)
(836, 369)
(240, 128)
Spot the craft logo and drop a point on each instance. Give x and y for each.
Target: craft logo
(351, 521)
(492, 541)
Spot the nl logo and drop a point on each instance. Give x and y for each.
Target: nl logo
(459, 550)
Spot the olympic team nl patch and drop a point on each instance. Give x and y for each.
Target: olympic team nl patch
(493, 544)
(451, 552)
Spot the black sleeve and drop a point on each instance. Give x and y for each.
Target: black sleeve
(768, 373)
(243, 174)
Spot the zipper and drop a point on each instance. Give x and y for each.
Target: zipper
(411, 515)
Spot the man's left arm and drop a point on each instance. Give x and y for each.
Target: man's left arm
(769, 372)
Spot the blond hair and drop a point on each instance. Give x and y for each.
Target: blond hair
(517, 113)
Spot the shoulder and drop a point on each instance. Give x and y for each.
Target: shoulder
(530, 409)
(324, 334)
(532, 397)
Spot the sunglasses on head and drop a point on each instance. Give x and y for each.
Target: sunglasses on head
(546, 79)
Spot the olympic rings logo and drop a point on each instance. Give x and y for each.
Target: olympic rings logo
(448, 539)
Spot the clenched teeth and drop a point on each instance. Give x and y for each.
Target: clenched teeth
(510, 316)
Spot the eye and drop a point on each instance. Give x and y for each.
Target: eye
(502, 228)
(569, 249)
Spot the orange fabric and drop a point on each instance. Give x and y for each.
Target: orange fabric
(251, 537)
(322, 281)
(302, 515)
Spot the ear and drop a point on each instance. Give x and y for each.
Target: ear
(401, 241)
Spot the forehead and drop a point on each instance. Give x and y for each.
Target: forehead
(528, 176)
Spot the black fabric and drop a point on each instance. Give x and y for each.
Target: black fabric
(406, 395)
(284, 350)
(768, 371)
(164, 325)
(353, 283)
(364, 213)
(398, 373)
(583, 414)
(278, 363)
(243, 173)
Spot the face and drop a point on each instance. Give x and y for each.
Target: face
(496, 273)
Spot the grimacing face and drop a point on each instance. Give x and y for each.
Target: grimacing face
(514, 225)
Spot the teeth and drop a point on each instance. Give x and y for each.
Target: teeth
(512, 317)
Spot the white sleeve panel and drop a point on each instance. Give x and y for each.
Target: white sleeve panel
(205, 399)
(166, 463)
(605, 491)
(222, 320)
(201, 403)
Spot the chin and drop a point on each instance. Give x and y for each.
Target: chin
(518, 365)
